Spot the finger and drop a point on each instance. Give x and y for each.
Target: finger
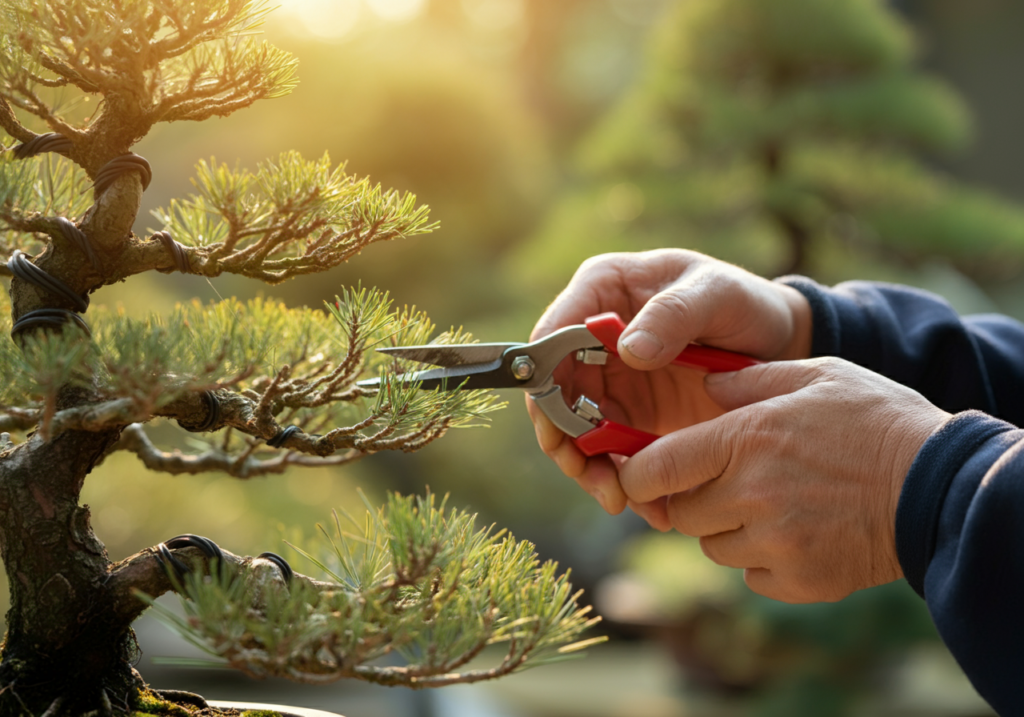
(737, 389)
(619, 282)
(654, 513)
(679, 461)
(598, 476)
(600, 479)
(765, 582)
(664, 326)
(596, 283)
(708, 509)
(733, 549)
(548, 435)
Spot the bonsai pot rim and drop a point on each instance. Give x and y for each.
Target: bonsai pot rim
(285, 710)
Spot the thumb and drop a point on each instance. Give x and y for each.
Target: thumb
(660, 330)
(737, 389)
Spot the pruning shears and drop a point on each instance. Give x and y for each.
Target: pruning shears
(530, 367)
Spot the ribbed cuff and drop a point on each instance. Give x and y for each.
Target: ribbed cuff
(825, 337)
(928, 480)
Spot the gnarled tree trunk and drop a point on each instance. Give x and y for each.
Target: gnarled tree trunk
(65, 640)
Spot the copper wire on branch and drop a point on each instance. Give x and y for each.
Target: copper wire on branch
(213, 414)
(22, 268)
(50, 319)
(49, 142)
(286, 433)
(286, 570)
(113, 169)
(77, 237)
(176, 250)
(214, 555)
(167, 560)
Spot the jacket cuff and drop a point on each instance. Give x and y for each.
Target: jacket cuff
(825, 335)
(928, 481)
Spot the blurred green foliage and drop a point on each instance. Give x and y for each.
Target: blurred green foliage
(783, 659)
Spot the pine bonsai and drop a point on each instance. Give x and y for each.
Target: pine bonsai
(787, 135)
(264, 387)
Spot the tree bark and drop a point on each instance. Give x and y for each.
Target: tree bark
(64, 640)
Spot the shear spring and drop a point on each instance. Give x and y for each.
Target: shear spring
(596, 357)
(585, 408)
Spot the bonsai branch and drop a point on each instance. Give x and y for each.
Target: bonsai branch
(11, 124)
(188, 36)
(23, 97)
(14, 418)
(85, 78)
(239, 465)
(145, 573)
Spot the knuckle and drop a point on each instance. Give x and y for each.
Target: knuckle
(830, 367)
(600, 263)
(711, 551)
(667, 309)
(682, 516)
(659, 470)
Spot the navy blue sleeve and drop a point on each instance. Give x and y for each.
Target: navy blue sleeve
(960, 540)
(960, 519)
(917, 339)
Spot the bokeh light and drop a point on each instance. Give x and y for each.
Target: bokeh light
(494, 14)
(396, 10)
(328, 19)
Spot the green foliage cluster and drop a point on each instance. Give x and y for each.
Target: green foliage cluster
(40, 186)
(155, 361)
(191, 60)
(291, 217)
(416, 579)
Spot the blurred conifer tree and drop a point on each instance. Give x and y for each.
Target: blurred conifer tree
(790, 136)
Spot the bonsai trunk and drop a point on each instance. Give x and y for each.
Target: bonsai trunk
(65, 640)
(793, 228)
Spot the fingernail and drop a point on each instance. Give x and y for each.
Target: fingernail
(643, 345)
(720, 377)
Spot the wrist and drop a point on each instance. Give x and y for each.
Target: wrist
(801, 324)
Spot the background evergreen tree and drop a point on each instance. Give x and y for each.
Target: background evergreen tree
(786, 135)
(260, 386)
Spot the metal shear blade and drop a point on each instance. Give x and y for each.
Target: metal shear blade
(495, 365)
(462, 367)
(449, 355)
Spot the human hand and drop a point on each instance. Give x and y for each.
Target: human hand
(798, 484)
(674, 297)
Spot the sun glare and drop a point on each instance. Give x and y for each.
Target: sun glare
(328, 19)
(333, 19)
(396, 10)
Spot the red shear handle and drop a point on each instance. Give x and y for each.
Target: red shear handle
(608, 327)
(611, 437)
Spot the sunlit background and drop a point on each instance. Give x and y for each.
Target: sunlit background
(515, 120)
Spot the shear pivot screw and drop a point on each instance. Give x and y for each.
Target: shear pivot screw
(523, 367)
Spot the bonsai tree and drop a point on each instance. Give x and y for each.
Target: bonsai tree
(787, 135)
(264, 387)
